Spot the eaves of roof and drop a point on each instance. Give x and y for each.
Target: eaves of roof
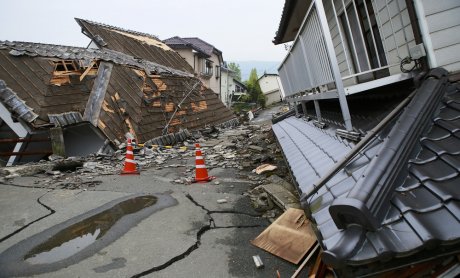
(80, 22)
(194, 43)
(179, 43)
(266, 75)
(292, 17)
(239, 83)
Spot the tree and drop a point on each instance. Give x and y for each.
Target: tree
(254, 90)
(236, 68)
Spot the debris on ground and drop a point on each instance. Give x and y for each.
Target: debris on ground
(289, 237)
(264, 168)
(258, 261)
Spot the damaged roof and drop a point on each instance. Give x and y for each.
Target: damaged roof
(397, 201)
(122, 94)
(195, 43)
(140, 45)
(87, 55)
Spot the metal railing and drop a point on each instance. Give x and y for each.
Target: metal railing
(352, 41)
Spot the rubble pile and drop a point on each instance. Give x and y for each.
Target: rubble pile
(248, 148)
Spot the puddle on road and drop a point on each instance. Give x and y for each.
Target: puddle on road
(81, 237)
(82, 234)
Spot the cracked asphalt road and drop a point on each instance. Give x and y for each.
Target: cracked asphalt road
(195, 238)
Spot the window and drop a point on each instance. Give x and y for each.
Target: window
(363, 38)
(217, 72)
(207, 68)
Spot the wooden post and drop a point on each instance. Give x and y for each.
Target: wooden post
(57, 141)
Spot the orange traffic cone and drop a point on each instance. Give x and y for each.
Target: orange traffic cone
(201, 174)
(130, 163)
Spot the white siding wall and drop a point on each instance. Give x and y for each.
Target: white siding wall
(270, 87)
(443, 20)
(272, 97)
(394, 19)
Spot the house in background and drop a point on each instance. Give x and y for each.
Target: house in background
(270, 85)
(204, 58)
(227, 84)
(240, 90)
(376, 156)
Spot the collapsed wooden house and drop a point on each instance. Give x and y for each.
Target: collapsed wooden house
(88, 98)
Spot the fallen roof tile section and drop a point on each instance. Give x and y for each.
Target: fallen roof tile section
(421, 216)
(13, 102)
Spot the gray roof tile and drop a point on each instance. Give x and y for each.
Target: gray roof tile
(310, 152)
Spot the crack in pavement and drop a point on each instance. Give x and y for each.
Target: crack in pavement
(179, 257)
(196, 245)
(234, 212)
(51, 211)
(23, 186)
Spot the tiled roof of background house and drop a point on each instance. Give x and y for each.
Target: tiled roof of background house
(195, 43)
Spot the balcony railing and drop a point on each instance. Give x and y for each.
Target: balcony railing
(344, 47)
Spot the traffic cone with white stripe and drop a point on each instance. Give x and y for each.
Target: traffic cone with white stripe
(201, 173)
(130, 163)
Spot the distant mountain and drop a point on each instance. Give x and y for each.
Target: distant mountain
(261, 66)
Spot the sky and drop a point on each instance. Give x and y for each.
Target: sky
(241, 29)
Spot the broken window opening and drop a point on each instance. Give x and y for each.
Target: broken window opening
(62, 70)
(66, 67)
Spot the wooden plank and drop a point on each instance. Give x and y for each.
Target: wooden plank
(94, 104)
(319, 269)
(57, 141)
(88, 69)
(289, 237)
(307, 259)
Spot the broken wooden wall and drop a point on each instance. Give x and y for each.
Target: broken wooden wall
(30, 78)
(144, 104)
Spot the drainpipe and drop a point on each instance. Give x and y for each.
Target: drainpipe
(425, 32)
(194, 56)
(416, 30)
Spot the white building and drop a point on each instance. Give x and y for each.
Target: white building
(270, 85)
